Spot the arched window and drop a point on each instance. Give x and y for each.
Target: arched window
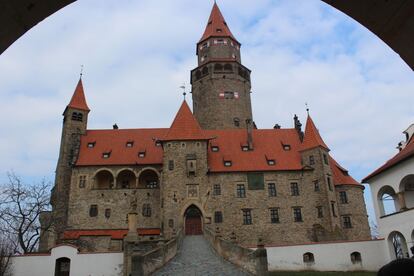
(205, 70)
(308, 258)
(228, 67)
(356, 257)
(387, 201)
(398, 245)
(126, 180)
(76, 116)
(407, 189)
(218, 67)
(104, 180)
(62, 267)
(236, 122)
(148, 179)
(198, 74)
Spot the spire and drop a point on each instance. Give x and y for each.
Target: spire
(78, 100)
(312, 137)
(217, 25)
(185, 126)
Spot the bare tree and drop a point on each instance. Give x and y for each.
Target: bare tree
(20, 208)
(6, 252)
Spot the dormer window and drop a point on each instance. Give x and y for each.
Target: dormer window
(141, 154)
(204, 45)
(129, 144)
(106, 155)
(271, 162)
(215, 148)
(91, 145)
(286, 147)
(227, 164)
(219, 30)
(245, 148)
(158, 143)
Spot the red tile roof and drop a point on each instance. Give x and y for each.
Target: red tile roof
(312, 137)
(340, 175)
(114, 141)
(78, 100)
(401, 156)
(217, 26)
(116, 234)
(185, 126)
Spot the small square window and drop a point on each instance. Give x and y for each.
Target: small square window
(93, 210)
(346, 221)
(218, 217)
(91, 145)
(343, 197)
(217, 189)
(215, 149)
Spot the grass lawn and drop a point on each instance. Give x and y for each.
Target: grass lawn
(311, 273)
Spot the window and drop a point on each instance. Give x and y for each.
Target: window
(316, 186)
(151, 184)
(215, 148)
(241, 191)
(245, 148)
(333, 208)
(158, 143)
(294, 188)
(272, 189)
(227, 163)
(106, 155)
(328, 179)
(346, 222)
(192, 191)
(124, 184)
(325, 159)
(129, 144)
(171, 165)
(297, 214)
(146, 210)
(343, 198)
(191, 166)
(219, 30)
(76, 116)
(141, 154)
(286, 147)
(203, 58)
(82, 181)
(218, 217)
(311, 160)
(308, 258)
(107, 213)
(271, 162)
(217, 189)
(247, 216)
(93, 210)
(320, 211)
(356, 257)
(274, 215)
(171, 223)
(229, 95)
(91, 145)
(204, 45)
(236, 122)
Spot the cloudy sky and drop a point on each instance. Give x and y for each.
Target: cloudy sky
(137, 53)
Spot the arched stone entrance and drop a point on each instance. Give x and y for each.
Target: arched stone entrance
(193, 221)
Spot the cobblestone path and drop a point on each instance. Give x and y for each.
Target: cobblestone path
(196, 257)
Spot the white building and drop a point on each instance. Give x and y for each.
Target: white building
(392, 187)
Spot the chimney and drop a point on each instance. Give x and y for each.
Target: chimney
(249, 125)
(298, 127)
(277, 126)
(115, 126)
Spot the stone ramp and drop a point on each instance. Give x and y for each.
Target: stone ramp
(196, 257)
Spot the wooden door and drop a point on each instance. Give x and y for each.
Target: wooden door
(193, 226)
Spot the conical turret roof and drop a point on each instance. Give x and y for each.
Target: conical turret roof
(78, 100)
(312, 137)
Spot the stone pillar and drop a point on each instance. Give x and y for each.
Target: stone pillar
(401, 201)
(132, 227)
(261, 258)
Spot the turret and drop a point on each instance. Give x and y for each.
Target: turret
(220, 84)
(75, 118)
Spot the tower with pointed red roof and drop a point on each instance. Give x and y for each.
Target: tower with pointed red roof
(75, 118)
(220, 84)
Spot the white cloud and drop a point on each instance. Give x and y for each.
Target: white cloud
(137, 54)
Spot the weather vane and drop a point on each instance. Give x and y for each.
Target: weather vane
(307, 108)
(183, 88)
(81, 71)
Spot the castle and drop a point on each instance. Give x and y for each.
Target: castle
(212, 168)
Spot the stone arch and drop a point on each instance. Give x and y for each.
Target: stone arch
(387, 201)
(397, 245)
(62, 267)
(406, 189)
(126, 179)
(193, 220)
(103, 179)
(356, 257)
(308, 258)
(149, 178)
